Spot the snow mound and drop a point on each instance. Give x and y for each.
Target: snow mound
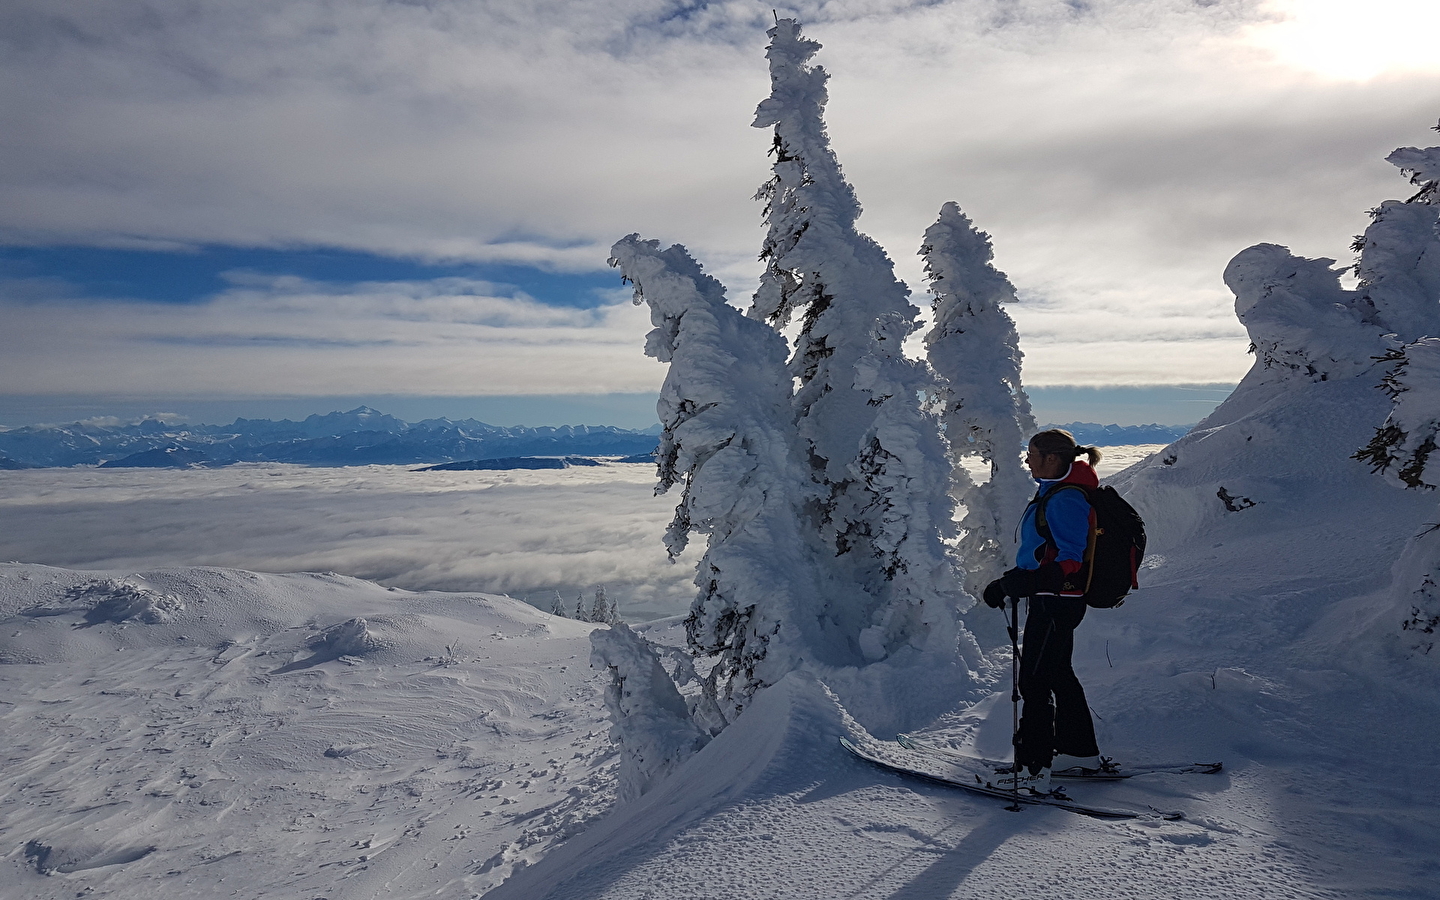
(121, 601)
(349, 638)
(688, 824)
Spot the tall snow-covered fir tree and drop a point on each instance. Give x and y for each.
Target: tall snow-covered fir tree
(727, 441)
(1399, 268)
(974, 351)
(882, 504)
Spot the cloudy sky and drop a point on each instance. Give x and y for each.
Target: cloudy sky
(294, 201)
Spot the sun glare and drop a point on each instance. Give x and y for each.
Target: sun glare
(1346, 40)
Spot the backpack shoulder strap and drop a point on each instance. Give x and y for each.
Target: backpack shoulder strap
(1041, 524)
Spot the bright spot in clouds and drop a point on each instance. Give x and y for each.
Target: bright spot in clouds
(1353, 41)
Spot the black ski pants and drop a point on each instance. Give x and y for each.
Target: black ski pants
(1056, 717)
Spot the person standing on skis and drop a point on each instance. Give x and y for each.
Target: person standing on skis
(1051, 572)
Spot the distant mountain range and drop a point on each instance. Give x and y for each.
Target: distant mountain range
(361, 436)
(364, 436)
(1091, 434)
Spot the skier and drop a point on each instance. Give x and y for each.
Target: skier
(1050, 570)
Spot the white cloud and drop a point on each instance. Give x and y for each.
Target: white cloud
(521, 533)
(280, 336)
(1115, 149)
(1343, 41)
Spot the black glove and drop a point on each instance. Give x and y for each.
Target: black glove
(1029, 582)
(995, 594)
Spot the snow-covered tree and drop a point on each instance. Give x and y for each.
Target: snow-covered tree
(1399, 268)
(874, 454)
(1399, 264)
(1302, 323)
(603, 611)
(726, 440)
(580, 615)
(558, 607)
(974, 351)
(651, 722)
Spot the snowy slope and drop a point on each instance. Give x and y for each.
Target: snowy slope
(226, 739)
(1271, 644)
(1265, 637)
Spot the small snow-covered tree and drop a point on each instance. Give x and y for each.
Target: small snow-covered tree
(580, 615)
(725, 412)
(603, 610)
(974, 351)
(874, 454)
(558, 607)
(651, 722)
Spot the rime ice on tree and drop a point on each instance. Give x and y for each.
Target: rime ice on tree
(1399, 269)
(652, 723)
(1400, 274)
(876, 457)
(725, 409)
(1302, 323)
(974, 351)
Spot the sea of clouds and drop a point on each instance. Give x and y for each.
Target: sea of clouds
(524, 533)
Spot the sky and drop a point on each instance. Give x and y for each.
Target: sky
(208, 206)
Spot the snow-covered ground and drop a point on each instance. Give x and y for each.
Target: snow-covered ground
(1267, 638)
(201, 732)
(522, 533)
(213, 733)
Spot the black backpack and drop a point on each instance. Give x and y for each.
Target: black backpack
(1113, 552)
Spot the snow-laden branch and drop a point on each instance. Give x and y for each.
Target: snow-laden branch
(651, 722)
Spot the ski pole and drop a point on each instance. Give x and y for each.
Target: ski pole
(1012, 625)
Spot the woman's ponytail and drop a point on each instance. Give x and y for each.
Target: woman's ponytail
(1062, 443)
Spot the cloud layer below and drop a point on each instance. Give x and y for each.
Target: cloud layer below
(525, 533)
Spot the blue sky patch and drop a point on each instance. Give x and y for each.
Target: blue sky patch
(189, 277)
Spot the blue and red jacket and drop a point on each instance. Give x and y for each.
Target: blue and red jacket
(1071, 520)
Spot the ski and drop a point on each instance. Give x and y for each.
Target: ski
(978, 786)
(1110, 772)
